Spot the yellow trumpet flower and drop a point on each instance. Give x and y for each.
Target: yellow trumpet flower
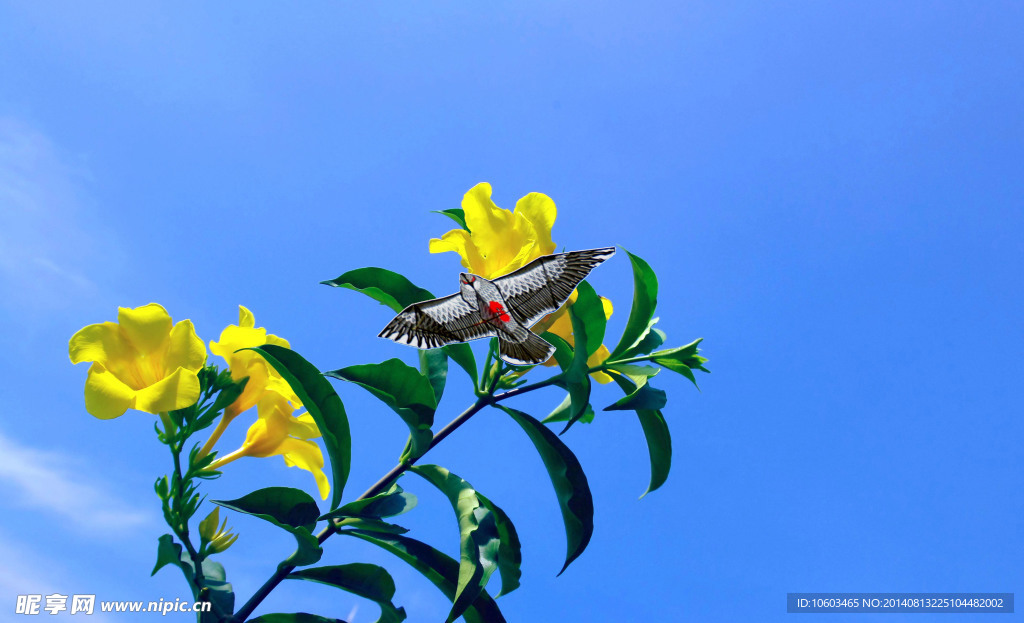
(143, 361)
(247, 363)
(277, 431)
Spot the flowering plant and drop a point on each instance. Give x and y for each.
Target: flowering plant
(148, 363)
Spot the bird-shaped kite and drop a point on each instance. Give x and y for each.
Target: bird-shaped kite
(506, 307)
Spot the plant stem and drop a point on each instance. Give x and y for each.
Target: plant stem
(181, 529)
(396, 471)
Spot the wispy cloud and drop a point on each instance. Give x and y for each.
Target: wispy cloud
(35, 575)
(49, 237)
(45, 480)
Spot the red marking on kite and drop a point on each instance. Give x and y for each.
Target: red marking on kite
(498, 310)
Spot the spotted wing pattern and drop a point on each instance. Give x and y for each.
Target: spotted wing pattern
(540, 287)
(436, 323)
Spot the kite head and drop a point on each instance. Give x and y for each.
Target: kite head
(467, 289)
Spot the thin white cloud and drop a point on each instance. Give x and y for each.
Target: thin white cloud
(36, 575)
(45, 480)
(49, 238)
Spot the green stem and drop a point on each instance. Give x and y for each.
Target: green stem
(382, 485)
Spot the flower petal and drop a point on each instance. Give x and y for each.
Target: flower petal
(460, 241)
(185, 349)
(245, 318)
(496, 233)
(106, 397)
(304, 427)
(307, 455)
(178, 390)
(540, 210)
(146, 327)
(100, 342)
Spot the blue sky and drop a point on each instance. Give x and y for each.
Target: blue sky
(831, 195)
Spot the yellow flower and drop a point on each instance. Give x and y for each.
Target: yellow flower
(248, 363)
(560, 324)
(142, 362)
(498, 241)
(277, 431)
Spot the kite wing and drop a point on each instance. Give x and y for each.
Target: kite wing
(436, 323)
(543, 285)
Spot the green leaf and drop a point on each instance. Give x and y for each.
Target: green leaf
(167, 553)
(323, 404)
(392, 502)
(659, 440)
(290, 509)
(575, 377)
(645, 300)
(402, 388)
(479, 540)
(683, 359)
(220, 592)
(439, 568)
(563, 412)
(638, 374)
(571, 488)
(650, 339)
(590, 310)
(366, 580)
(434, 366)
(282, 506)
(643, 397)
(369, 525)
(384, 286)
(510, 555)
(456, 214)
(397, 292)
(294, 617)
(462, 354)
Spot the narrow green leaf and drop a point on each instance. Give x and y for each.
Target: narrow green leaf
(404, 390)
(434, 366)
(638, 374)
(228, 395)
(369, 525)
(439, 568)
(650, 339)
(577, 381)
(382, 285)
(590, 310)
(563, 412)
(510, 555)
(392, 502)
(659, 440)
(643, 397)
(570, 483)
(456, 214)
(323, 404)
(290, 509)
(294, 617)
(366, 580)
(683, 360)
(645, 300)
(479, 540)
